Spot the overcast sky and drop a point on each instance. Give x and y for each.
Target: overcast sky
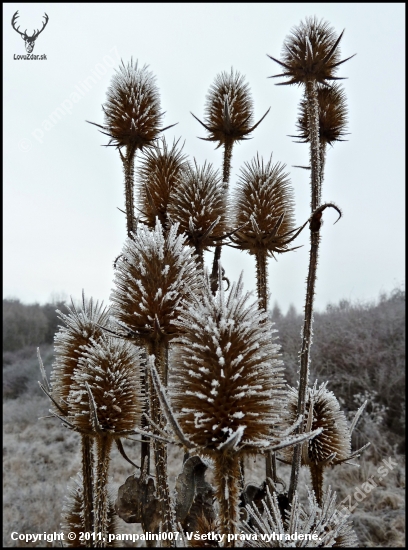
(62, 228)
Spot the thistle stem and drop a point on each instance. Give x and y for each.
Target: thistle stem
(87, 476)
(104, 444)
(262, 288)
(316, 172)
(316, 471)
(129, 172)
(159, 349)
(227, 473)
(226, 170)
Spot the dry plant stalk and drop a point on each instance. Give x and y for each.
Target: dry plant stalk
(222, 396)
(310, 57)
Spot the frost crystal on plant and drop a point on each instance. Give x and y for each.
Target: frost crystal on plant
(151, 261)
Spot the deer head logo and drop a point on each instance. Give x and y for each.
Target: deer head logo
(29, 40)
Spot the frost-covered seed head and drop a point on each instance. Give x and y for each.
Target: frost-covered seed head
(335, 438)
(72, 517)
(80, 325)
(111, 367)
(155, 273)
(227, 374)
(132, 108)
(310, 52)
(330, 523)
(332, 116)
(262, 196)
(196, 203)
(233, 123)
(158, 174)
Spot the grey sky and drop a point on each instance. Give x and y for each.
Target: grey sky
(62, 229)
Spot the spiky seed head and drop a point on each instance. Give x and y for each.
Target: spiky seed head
(197, 202)
(155, 273)
(80, 324)
(227, 372)
(264, 202)
(72, 516)
(336, 436)
(110, 367)
(229, 111)
(329, 522)
(132, 107)
(310, 52)
(332, 116)
(158, 174)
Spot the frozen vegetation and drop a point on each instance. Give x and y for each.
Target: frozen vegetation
(357, 346)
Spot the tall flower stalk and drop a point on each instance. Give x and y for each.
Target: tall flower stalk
(229, 119)
(132, 121)
(310, 57)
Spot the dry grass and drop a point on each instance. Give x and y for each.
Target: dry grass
(40, 456)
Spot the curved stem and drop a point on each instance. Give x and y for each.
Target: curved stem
(226, 171)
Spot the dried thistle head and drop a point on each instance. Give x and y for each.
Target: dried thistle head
(332, 116)
(132, 108)
(329, 522)
(323, 411)
(81, 325)
(72, 517)
(110, 369)
(264, 203)
(229, 111)
(310, 52)
(198, 204)
(228, 384)
(155, 273)
(158, 174)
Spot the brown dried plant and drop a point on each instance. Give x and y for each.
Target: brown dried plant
(333, 445)
(73, 517)
(229, 118)
(154, 275)
(310, 56)
(198, 204)
(80, 325)
(158, 175)
(330, 524)
(228, 393)
(332, 119)
(132, 120)
(105, 402)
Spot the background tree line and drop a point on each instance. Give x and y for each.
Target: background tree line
(359, 347)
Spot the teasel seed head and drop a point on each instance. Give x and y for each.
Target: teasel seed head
(229, 111)
(332, 116)
(326, 414)
(158, 174)
(81, 325)
(72, 520)
(107, 381)
(155, 273)
(198, 204)
(132, 108)
(329, 522)
(264, 203)
(310, 52)
(228, 383)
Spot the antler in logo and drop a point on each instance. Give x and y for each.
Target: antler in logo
(29, 40)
